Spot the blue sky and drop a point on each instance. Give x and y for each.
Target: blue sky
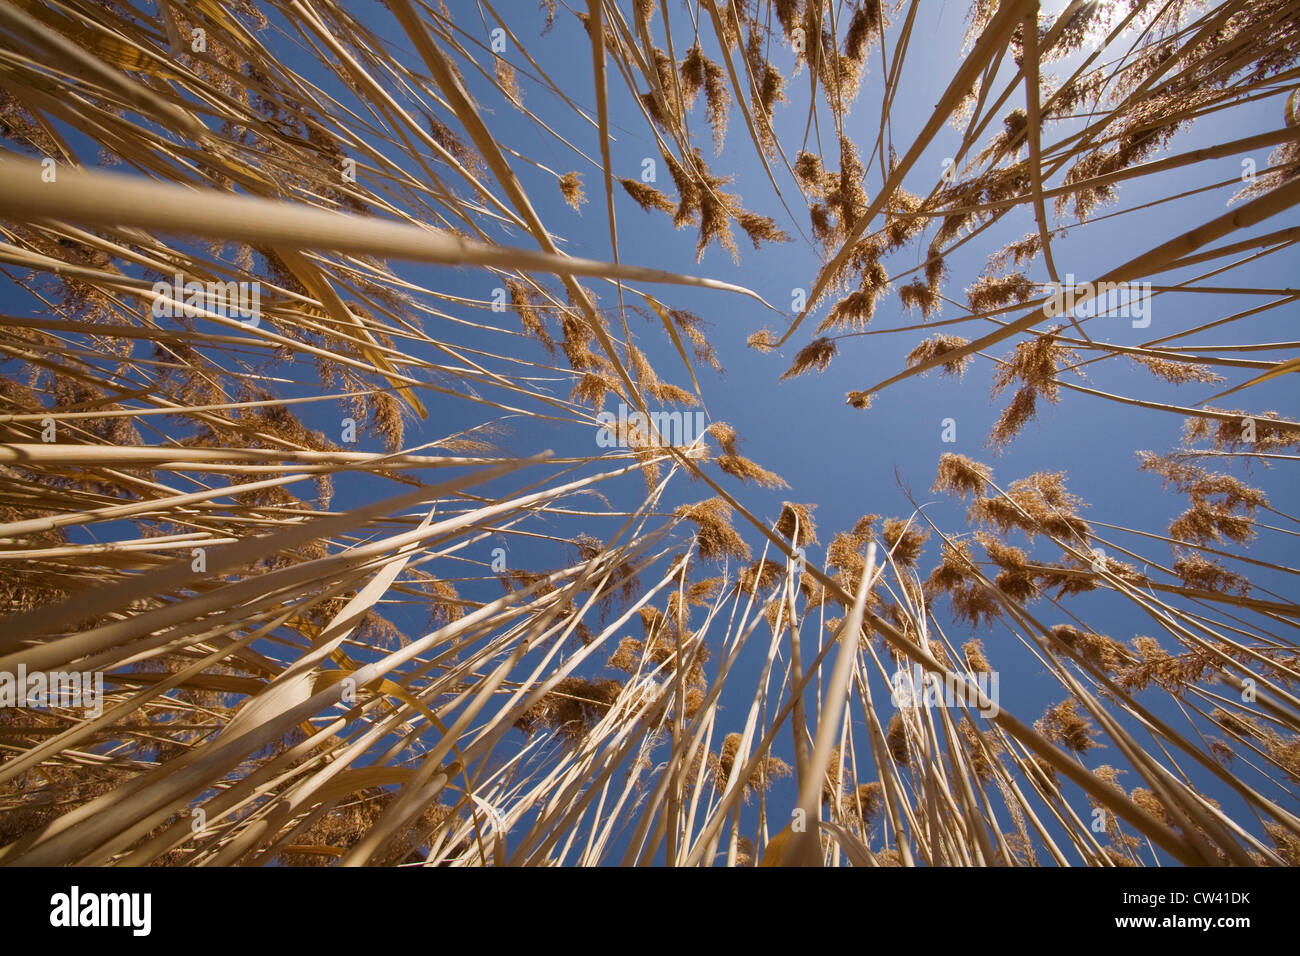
(850, 462)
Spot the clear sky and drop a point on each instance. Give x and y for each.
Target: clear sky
(851, 462)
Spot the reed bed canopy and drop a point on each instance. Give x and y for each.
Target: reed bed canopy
(458, 433)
